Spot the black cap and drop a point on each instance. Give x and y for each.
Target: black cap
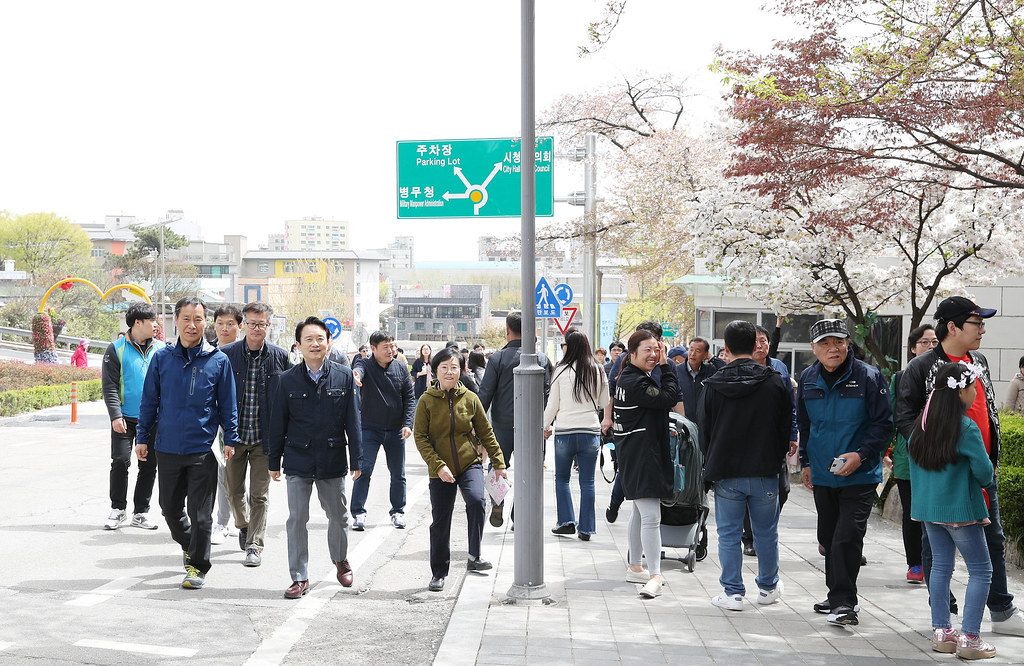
(958, 306)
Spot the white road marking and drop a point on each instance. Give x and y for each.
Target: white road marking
(274, 649)
(104, 592)
(5, 645)
(158, 650)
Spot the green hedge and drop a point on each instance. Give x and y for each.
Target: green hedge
(39, 397)
(1011, 441)
(1011, 502)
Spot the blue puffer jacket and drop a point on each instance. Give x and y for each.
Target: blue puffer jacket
(188, 393)
(853, 415)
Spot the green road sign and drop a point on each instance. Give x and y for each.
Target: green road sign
(668, 330)
(469, 178)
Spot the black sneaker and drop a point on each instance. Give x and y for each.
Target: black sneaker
(568, 528)
(243, 534)
(611, 514)
(478, 564)
(844, 615)
(748, 550)
(496, 518)
(824, 608)
(436, 584)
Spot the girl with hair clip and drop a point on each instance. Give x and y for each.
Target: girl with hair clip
(948, 470)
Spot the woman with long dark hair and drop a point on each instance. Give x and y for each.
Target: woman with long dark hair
(477, 365)
(579, 391)
(641, 410)
(421, 372)
(949, 468)
(920, 340)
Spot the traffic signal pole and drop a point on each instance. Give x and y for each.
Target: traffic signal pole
(528, 571)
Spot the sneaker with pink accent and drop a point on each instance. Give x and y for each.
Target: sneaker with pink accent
(945, 640)
(972, 647)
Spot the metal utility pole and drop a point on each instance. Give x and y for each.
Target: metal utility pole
(528, 573)
(590, 293)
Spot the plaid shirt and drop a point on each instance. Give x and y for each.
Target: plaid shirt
(249, 416)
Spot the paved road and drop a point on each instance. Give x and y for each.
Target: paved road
(20, 352)
(74, 593)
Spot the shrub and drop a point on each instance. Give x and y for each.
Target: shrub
(15, 375)
(1011, 502)
(39, 397)
(42, 339)
(1011, 439)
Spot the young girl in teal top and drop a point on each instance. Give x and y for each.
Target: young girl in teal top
(948, 469)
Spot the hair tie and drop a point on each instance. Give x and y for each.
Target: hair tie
(924, 414)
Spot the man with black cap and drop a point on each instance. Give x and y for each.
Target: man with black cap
(845, 423)
(959, 326)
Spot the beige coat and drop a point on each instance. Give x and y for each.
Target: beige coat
(1015, 394)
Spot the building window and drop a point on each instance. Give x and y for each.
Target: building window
(96, 252)
(263, 267)
(419, 326)
(401, 325)
(463, 327)
(722, 320)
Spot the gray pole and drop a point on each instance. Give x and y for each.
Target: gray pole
(528, 574)
(163, 282)
(590, 293)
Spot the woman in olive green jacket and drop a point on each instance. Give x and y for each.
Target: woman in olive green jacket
(446, 416)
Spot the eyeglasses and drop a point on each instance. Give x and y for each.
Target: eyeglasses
(257, 325)
(979, 324)
(934, 342)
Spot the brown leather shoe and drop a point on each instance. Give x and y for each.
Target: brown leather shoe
(345, 575)
(298, 588)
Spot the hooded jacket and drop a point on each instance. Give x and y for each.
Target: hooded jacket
(641, 410)
(313, 424)
(853, 415)
(917, 382)
(187, 394)
(1015, 394)
(444, 421)
(744, 417)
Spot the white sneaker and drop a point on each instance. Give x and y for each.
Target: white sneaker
(765, 597)
(398, 520)
(219, 534)
(637, 576)
(1013, 625)
(142, 520)
(359, 522)
(651, 589)
(114, 520)
(728, 602)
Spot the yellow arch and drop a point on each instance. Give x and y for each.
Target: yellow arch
(135, 289)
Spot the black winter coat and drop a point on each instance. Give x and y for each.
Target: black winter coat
(640, 411)
(313, 423)
(744, 416)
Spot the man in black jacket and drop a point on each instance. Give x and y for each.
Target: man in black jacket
(691, 374)
(254, 363)
(387, 408)
(316, 414)
(742, 459)
(959, 326)
(497, 392)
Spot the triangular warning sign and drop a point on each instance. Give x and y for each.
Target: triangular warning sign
(568, 321)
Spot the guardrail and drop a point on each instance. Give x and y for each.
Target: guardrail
(95, 346)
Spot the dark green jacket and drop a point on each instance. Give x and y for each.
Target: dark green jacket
(442, 428)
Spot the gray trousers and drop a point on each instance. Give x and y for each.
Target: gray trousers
(332, 498)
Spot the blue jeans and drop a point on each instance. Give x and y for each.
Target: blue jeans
(733, 499)
(584, 448)
(1000, 601)
(970, 541)
(394, 453)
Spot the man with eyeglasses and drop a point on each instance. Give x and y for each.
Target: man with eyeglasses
(959, 327)
(254, 362)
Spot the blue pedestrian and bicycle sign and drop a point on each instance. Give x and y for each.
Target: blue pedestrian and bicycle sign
(548, 304)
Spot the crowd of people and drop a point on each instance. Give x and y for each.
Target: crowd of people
(214, 421)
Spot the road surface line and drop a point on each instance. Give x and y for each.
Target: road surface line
(274, 649)
(5, 645)
(104, 592)
(158, 650)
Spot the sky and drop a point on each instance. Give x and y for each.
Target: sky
(245, 114)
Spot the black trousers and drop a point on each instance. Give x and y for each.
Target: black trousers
(842, 523)
(442, 503)
(121, 445)
(191, 480)
(911, 528)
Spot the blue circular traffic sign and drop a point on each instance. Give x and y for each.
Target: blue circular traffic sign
(563, 293)
(334, 326)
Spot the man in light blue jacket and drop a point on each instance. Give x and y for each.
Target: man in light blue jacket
(189, 392)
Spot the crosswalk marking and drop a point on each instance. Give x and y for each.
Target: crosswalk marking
(158, 650)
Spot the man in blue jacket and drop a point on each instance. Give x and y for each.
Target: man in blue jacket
(845, 422)
(387, 408)
(188, 393)
(316, 414)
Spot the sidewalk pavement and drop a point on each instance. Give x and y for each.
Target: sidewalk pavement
(598, 618)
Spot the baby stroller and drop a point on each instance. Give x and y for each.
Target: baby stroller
(684, 516)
